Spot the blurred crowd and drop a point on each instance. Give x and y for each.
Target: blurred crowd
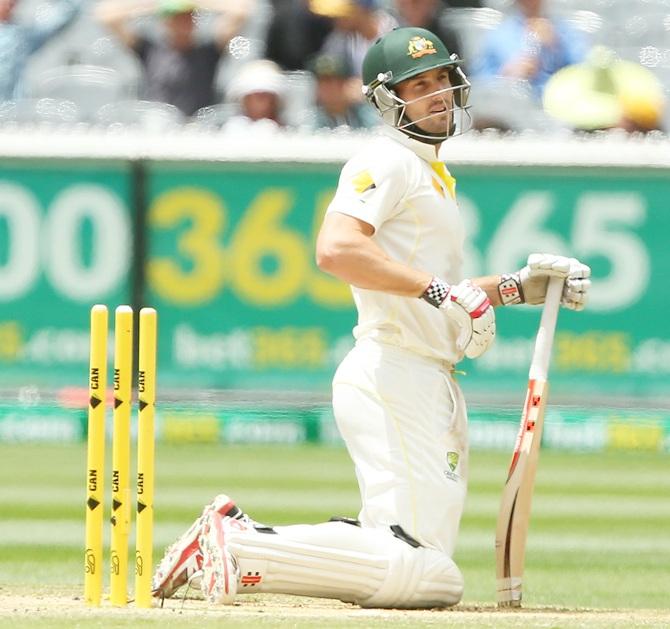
(256, 66)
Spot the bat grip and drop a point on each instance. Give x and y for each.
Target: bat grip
(539, 366)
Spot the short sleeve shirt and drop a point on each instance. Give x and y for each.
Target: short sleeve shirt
(398, 186)
(184, 79)
(511, 41)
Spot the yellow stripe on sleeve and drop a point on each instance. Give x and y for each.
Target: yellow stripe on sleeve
(363, 181)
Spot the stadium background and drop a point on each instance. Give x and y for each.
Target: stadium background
(222, 245)
(218, 236)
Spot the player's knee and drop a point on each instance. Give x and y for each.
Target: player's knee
(441, 583)
(420, 578)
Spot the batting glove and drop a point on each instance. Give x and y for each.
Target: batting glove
(529, 285)
(470, 308)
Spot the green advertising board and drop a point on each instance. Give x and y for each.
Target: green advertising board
(65, 244)
(616, 221)
(229, 264)
(231, 267)
(231, 270)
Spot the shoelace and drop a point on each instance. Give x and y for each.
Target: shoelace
(197, 573)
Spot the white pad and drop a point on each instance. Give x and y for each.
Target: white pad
(366, 566)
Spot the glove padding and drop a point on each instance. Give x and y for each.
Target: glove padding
(469, 306)
(534, 278)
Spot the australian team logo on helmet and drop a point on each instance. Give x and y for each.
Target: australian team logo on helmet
(404, 53)
(419, 47)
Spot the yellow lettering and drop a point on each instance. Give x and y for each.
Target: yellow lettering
(260, 238)
(182, 428)
(266, 263)
(635, 437)
(289, 347)
(11, 340)
(199, 218)
(314, 347)
(618, 351)
(593, 351)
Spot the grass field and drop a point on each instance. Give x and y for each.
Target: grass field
(599, 535)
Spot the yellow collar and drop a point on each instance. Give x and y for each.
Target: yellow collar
(445, 176)
(427, 153)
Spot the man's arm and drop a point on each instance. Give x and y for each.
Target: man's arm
(117, 14)
(53, 22)
(489, 284)
(346, 250)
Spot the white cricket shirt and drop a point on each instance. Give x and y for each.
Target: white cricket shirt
(398, 186)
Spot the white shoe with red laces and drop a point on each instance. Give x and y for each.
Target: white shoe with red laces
(182, 561)
(220, 570)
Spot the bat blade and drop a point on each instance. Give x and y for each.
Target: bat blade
(514, 514)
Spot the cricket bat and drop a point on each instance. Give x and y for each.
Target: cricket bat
(514, 514)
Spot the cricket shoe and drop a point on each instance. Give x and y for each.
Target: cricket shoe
(182, 561)
(220, 570)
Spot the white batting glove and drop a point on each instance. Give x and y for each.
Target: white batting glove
(468, 306)
(529, 285)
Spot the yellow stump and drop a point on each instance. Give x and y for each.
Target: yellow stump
(95, 463)
(121, 504)
(146, 393)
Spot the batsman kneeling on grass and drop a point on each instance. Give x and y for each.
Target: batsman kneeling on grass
(394, 233)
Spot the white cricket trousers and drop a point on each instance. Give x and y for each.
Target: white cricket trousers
(404, 422)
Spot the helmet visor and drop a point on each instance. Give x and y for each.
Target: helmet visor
(443, 113)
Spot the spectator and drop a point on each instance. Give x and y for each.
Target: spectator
(339, 100)
(258, 91)
(358, 24)
(179, 66)
(295, 34)
(431, 15)
(529, 45)
(19, 41)
(605, 92)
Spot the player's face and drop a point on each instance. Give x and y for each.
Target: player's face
(430, 100)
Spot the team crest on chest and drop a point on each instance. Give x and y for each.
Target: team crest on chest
(420, 47)
(452, 461)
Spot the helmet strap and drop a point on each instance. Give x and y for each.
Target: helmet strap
(414, 131)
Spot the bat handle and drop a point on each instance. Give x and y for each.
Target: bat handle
(539, 366)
